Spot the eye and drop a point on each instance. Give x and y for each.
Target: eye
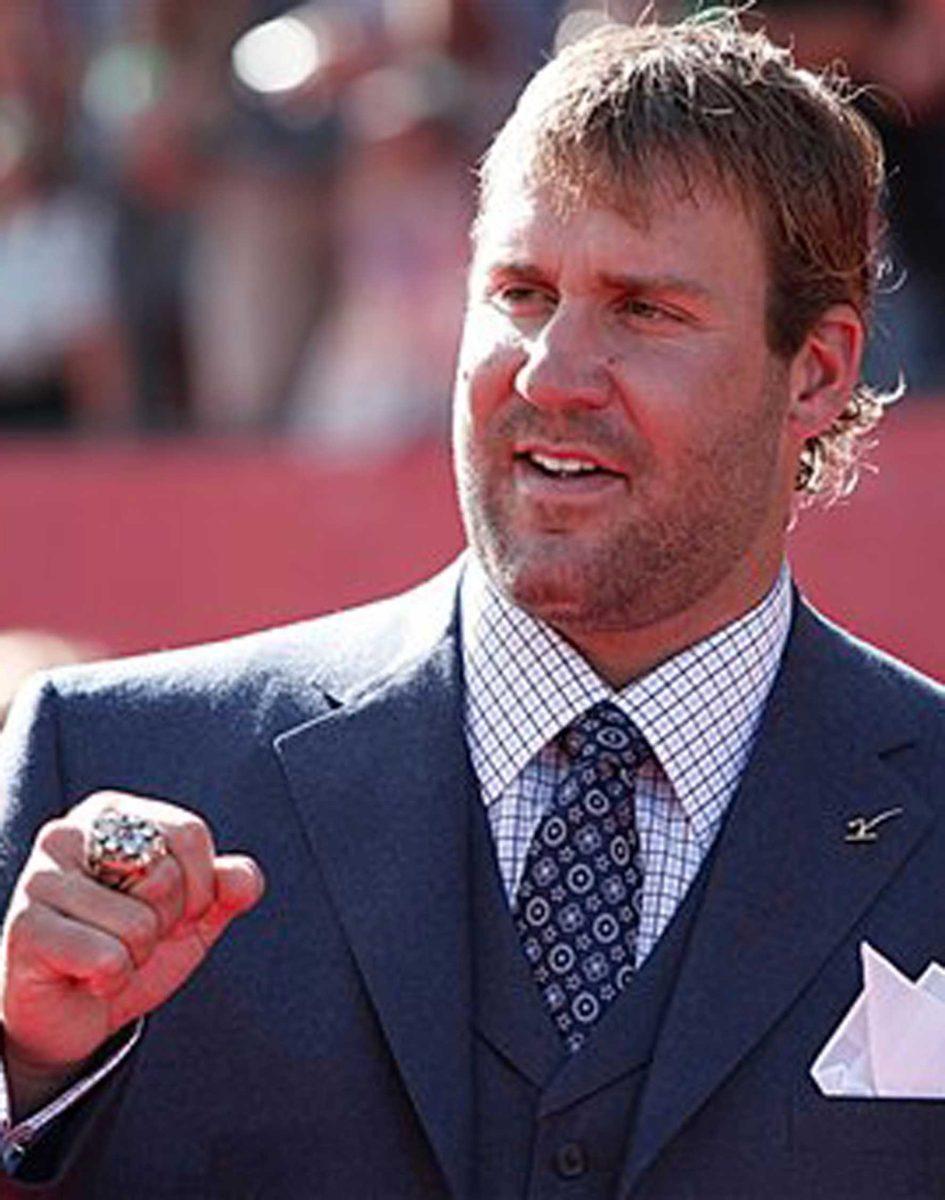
(520, 299)
(649, 312)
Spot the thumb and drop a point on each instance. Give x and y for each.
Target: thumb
(238, 885)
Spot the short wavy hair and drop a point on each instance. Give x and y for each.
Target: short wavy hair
(632, 107)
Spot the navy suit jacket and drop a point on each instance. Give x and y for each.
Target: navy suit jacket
(325, 1048)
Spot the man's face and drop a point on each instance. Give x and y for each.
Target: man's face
(620, 426)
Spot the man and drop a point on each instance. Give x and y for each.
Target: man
(570, 852)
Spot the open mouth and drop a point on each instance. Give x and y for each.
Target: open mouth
(554, 466)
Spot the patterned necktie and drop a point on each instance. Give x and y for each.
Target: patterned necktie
(577, 908)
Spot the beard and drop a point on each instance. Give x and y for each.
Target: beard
(681, 528)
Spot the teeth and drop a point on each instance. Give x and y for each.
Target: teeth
(562, 466)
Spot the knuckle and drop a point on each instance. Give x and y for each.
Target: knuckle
(53, 834)
(108, 958)
(103, 798)
(20, 929)
(161, 885)
(193, 836)
(96, 803)
(143, 928)
(42, 883)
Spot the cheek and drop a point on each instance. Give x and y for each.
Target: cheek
(685, 403)
(664, 399)
(490, 357)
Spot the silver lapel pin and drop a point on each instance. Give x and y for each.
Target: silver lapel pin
(863, 829)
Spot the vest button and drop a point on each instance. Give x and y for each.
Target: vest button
(570, 1160)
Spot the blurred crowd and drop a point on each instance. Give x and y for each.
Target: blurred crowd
(250, 216)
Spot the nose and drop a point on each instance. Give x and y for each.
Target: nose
(564, 366)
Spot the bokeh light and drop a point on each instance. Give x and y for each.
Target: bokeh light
(277, 56)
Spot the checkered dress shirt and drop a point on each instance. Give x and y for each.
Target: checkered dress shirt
(699, 712)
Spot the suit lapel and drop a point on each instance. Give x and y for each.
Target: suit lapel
(383, 788)
(508, 1010)
(785, 887)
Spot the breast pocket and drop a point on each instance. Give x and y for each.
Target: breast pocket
(867, 1128)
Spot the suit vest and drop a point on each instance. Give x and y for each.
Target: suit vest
(550, 1126)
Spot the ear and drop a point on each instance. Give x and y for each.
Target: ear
(824, 371)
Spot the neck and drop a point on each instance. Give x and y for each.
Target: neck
(622, 655)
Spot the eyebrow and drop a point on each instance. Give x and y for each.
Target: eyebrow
(517, 267)
(619, 281)
(678, 284)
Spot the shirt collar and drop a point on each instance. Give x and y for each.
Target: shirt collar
(699, 710)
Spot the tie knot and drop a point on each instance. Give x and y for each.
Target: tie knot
(604, 732)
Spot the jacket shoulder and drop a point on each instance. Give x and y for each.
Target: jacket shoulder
(272, 677)
(865, 698)
(836, 651)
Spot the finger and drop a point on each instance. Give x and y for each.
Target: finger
(63, 841)
(240, 885)
(64, 947)
(239, 882)
(81, 899)
(186, 834)
(163, 890)
(190, 842)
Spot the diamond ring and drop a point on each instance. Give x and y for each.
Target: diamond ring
(121, 848)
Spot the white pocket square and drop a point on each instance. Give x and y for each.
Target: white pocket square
(891, 1043)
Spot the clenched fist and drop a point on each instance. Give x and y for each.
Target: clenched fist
(80, 960)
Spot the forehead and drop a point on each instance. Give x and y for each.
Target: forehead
(645, 180)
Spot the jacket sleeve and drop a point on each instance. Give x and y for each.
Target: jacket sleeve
(32, 791)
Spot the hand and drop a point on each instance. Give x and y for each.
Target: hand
(79, 960)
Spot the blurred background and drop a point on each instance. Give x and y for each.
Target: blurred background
(232, 247)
